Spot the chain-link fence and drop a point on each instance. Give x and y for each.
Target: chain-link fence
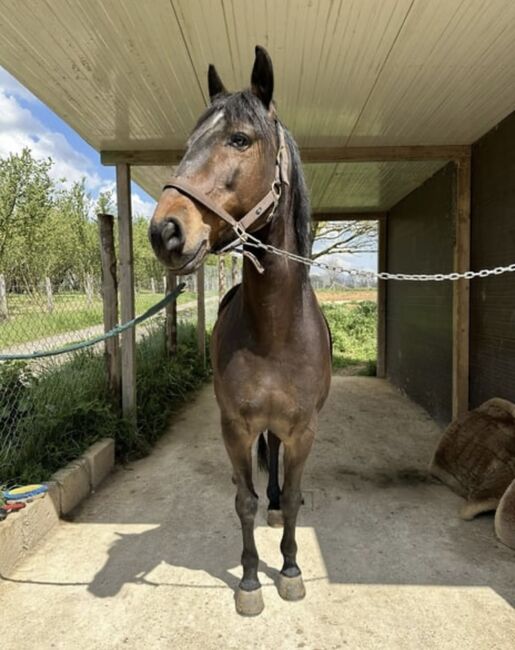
(69, 391)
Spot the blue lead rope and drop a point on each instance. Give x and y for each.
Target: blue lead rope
(103, 337)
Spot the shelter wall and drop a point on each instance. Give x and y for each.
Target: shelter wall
(492, 300)
(419, 314)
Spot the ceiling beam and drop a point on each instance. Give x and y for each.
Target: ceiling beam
(308, 155)
(321, 215)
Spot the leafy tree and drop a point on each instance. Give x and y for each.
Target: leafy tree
(25, 202)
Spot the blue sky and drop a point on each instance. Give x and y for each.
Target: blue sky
(27, 122)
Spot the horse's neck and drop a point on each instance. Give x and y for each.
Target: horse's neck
(272, 300)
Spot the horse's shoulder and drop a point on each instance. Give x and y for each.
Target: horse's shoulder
(228, 297)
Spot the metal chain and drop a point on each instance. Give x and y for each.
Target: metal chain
(248, 239)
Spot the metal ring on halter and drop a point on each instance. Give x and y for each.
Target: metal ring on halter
(276, 189)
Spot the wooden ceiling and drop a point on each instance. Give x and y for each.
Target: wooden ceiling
(131, 75)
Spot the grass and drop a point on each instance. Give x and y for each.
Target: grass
(49, 418)
(353, 328)
(30, 321)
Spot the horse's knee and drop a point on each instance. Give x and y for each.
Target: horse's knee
(291, 501)
(246, 505)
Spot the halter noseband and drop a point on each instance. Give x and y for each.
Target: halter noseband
(268, 202)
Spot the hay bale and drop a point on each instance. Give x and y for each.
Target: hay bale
(476, 456)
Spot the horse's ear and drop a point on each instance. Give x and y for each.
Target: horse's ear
(214, 82)
(262, 79)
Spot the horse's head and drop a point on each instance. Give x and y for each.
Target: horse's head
(230, 164)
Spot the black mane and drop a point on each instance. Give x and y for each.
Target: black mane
(246, 107)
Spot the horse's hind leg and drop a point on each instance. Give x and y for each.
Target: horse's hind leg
(249, 599)
(273, 491)
(296, 450)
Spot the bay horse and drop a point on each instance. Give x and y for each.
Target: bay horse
(271, 346)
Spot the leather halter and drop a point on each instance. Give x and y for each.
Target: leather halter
(268, 202)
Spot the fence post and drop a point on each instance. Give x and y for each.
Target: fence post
(221, 278)
(164, 283)
(49, 295)
(4, 309)
(171, 316)
(88, 285)
(128, 338)
(234, 270)
(201, 315)
(110, 304)
(152, 285)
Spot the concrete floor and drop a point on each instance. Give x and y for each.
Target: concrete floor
(152, 559)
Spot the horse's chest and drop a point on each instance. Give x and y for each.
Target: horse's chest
(266, 392)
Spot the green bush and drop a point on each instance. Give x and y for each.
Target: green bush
(51, 417)
(353, 329)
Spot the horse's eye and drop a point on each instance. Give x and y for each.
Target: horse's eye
(239, 140)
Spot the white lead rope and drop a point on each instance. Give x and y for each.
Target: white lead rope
(248, 239)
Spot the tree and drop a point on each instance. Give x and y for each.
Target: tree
(25, 202)
(330, 237)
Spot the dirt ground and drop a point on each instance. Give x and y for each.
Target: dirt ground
(347, 296)
(152, 559)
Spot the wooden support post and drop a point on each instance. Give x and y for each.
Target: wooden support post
(171, 317)
(49, 295)
(381, 300)
(110, 305)
(152, 285)
(128, 354)
(4, 308)
(201, 314)
(460, 346)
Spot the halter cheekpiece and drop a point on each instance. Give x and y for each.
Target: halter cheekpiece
(265, 207)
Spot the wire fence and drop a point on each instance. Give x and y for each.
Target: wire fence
(44, 317)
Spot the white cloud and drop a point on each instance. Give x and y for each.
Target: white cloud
(141, 207)
(19, 128)
(12, 86)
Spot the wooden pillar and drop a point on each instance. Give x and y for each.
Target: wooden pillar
(460, 346)
(128, 353)
(201, 314)
(171, 316)
(110, 304)
(381, 299)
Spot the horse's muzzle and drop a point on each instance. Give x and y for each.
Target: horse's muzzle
(168, 241)
(166, 236)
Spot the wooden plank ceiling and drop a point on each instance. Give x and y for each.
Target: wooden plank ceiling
(131, 75)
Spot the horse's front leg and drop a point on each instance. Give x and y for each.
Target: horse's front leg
(238, 442)
(296, 451)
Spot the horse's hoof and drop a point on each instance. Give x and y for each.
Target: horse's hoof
(249, 603)
(291, 588)
(275, 518)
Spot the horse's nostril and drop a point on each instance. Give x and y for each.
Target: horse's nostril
(171, 235)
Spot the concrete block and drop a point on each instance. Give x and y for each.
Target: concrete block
(100, 459)
(23, 530)
(74, 484)
(11, 542)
